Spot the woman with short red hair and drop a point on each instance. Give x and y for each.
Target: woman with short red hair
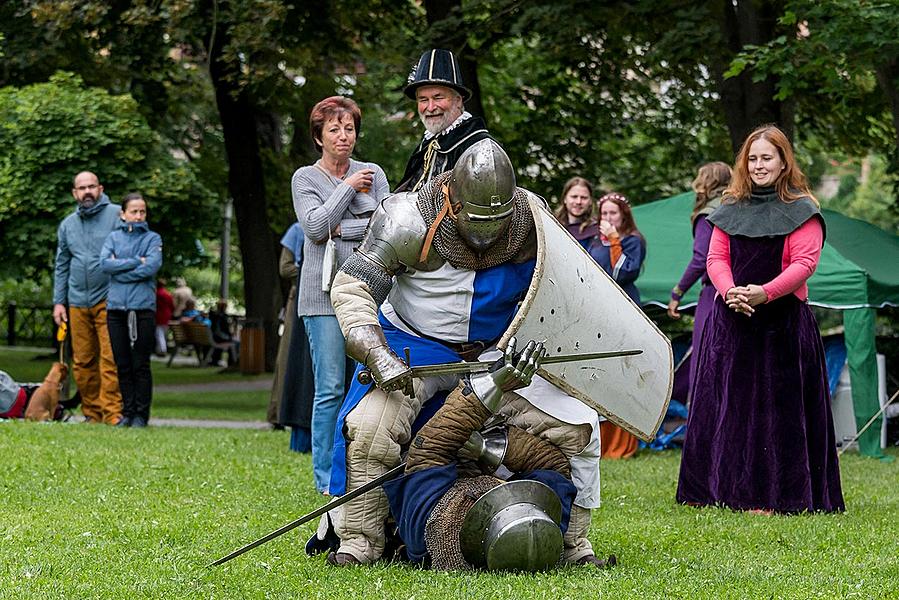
(333, 199)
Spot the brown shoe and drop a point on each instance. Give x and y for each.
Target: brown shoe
(598, 562)
(342, 559)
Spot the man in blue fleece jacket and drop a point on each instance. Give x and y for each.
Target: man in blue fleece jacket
(80, 284)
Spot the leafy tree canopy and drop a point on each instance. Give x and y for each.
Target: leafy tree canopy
(51, 131)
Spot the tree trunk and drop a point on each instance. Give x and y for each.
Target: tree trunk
(888, 79)
(748, 104)
(262, 292)
(454, 38)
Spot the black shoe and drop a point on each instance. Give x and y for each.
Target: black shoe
(138, 422)
(329, 544)
(124, 422)
(341, 559)
(598, 562)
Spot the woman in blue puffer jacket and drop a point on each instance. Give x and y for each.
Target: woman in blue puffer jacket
(131, 255)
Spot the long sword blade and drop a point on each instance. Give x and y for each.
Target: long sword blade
(315, 513)
(484, 365)
(365, 377)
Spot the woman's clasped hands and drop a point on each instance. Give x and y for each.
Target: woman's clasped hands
(744, 298)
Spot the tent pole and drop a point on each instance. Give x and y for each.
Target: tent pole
(868, 424)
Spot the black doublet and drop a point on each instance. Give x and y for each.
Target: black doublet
(452, 144)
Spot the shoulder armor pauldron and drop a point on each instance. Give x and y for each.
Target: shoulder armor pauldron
(395, 234)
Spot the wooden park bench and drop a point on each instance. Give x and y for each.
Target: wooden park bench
(195, 337)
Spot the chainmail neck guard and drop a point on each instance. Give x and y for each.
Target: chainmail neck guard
(451, 246)
(445, 521)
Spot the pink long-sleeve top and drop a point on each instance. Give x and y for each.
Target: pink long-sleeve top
(802, 249)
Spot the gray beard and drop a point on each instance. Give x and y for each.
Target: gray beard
(87, 202)
(436, 127)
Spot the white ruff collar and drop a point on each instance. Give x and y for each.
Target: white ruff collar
(463, 117)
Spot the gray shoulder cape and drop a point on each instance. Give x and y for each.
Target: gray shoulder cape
(764, 214)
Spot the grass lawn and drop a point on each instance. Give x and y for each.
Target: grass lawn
(225, 406)
(95, 512)
(185, 403)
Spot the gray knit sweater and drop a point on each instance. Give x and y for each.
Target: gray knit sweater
(321, 201)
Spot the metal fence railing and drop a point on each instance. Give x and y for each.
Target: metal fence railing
(28, 325)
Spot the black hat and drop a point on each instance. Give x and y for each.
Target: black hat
(436, 67)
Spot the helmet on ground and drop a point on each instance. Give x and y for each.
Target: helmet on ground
(514, 526)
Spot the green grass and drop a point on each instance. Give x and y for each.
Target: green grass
(187, 403)
(95, 512)
(226, 406)
(26, 365)
(189, 374)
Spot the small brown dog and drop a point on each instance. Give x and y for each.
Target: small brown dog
(43, 402)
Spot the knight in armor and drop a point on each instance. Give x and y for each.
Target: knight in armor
(435, 83)
(440, 273)
(456, 514)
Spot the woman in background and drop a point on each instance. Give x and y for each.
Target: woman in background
(760, 432)
(710, 183)
(131, 255)
(619, 249)
(576, 211)
(293, 384)
(333, 198)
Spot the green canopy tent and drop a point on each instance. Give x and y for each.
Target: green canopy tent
(858, 272)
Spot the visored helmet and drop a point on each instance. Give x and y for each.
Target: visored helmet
(483, 184)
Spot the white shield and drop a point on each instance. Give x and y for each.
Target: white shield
(576, 307)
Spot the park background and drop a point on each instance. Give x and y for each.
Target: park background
(204, 104)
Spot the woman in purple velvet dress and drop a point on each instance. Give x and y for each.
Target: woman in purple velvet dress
(576, 211)
(760, 433)
(710, 183)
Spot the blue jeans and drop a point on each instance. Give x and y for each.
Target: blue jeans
(328, 365)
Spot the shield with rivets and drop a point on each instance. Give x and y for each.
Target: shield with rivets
(577, 308)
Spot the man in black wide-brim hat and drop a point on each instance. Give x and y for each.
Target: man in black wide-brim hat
(435, 83)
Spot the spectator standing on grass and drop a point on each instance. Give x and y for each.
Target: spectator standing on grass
(619, 249)
(435, 84)
(79, 298)
(760, 433)
(333, 198)
(575, 213)
(711, 181)
(131, 256)
(293, 384)
(165, 310)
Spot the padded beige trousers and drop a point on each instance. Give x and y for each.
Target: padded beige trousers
(375, 430)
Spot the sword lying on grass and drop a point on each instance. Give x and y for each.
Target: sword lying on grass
(365, 378)
(377, 481)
